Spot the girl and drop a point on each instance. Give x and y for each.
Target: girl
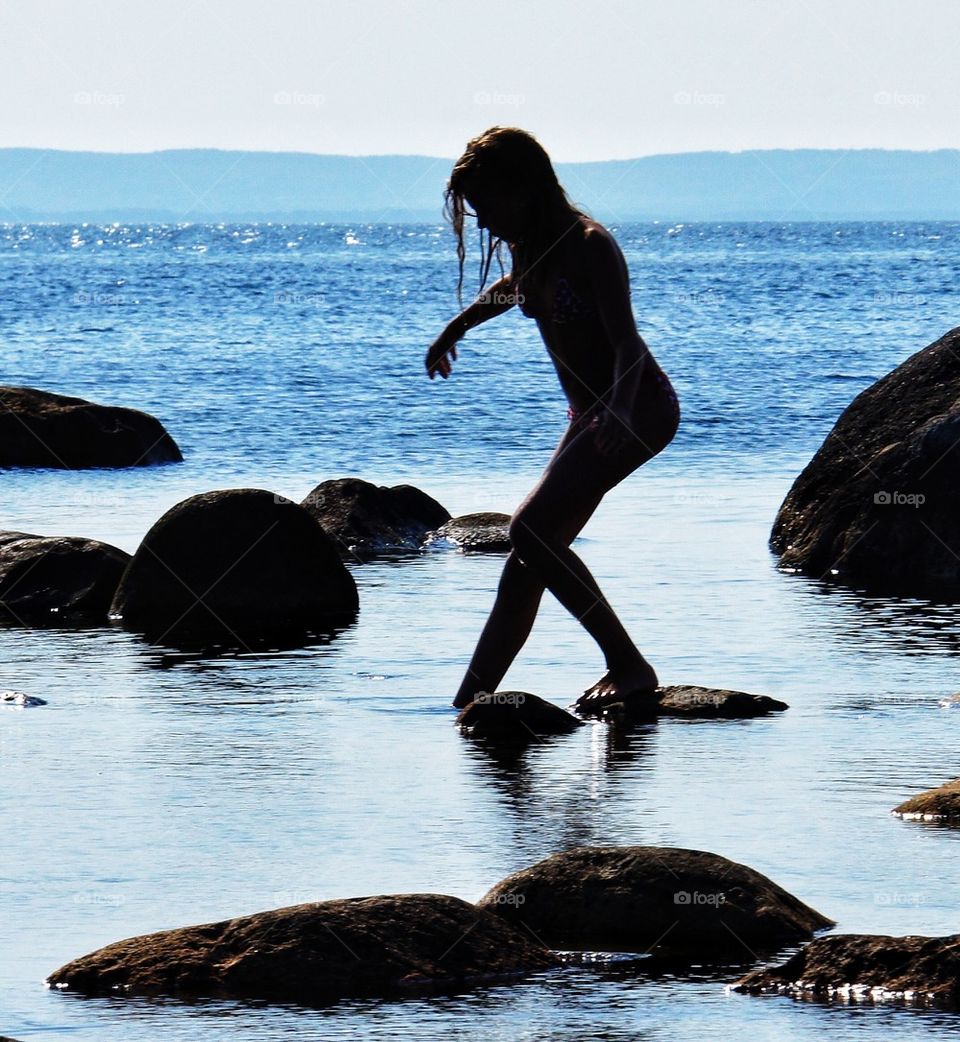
(569, 274)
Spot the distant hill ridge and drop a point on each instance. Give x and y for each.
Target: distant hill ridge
(211, 185)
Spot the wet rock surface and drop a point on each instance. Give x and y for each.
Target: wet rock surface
(877, 506)
(233, 566)
(515, 716)
(42, 429)
(866, 966)
(690, 701)
(665, 900)
(317, 953)
(46, 580)
(940, 804)
(475, 533)
(365, 520)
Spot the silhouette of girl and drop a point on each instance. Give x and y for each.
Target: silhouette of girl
(569, 274)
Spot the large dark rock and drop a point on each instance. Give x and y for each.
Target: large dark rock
(514, 716)
(661, 899)
(859, 966)
(940, 804)
(232, 566)
(40, 429)
(316, 953)
(45, 580)
(475, 533)
(878, 506)
(365, 519)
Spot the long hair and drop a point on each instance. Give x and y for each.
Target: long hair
(510, 159)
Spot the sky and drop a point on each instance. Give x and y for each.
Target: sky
(612, 80)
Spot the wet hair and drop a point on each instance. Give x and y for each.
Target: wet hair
(507, 159)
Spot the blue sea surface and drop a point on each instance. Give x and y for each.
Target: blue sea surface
(158, 790)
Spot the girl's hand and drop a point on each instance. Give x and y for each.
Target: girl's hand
(614, 430)
(442, 352)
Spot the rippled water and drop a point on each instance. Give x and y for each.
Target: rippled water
(158, 790)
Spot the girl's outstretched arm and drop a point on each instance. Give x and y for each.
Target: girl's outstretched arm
(494, 301)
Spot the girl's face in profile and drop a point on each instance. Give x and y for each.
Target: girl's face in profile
(497, 210)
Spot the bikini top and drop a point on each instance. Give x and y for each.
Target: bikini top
(567, 306)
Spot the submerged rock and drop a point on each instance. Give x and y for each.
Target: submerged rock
(231, 566)
(475, 533)
(41, 429)
(662, 899)
(865, 966)
(878, 505)
(22, 701)
(49, 579)
(365, 519)
(941, 804)
(364, 946)
(514, 716)
(688, 700)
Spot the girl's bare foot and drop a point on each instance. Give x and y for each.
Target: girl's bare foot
(638, 678)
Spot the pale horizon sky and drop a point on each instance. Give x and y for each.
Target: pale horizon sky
(619, 80)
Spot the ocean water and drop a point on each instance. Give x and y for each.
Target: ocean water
(158, 790)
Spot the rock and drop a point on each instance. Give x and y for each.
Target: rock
(364, 946)
(232, 566)
(40, 429)
(475, 533)
(942, 804)
(365, 520)
(21, 701)
(694, 701)
(639, 899)
(514, 716)
(866, 966)
(690, 700)
(877, 506)
(51, 579)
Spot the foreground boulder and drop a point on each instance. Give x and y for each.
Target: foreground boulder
(687, 700)
(475, 533)
(46, 580)
(307, 953)
(365, 519)
(514, 716)
(232, 566)
(40, 429)
(866, 966)
(941, 804)
(661, 899)
(878, 506)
